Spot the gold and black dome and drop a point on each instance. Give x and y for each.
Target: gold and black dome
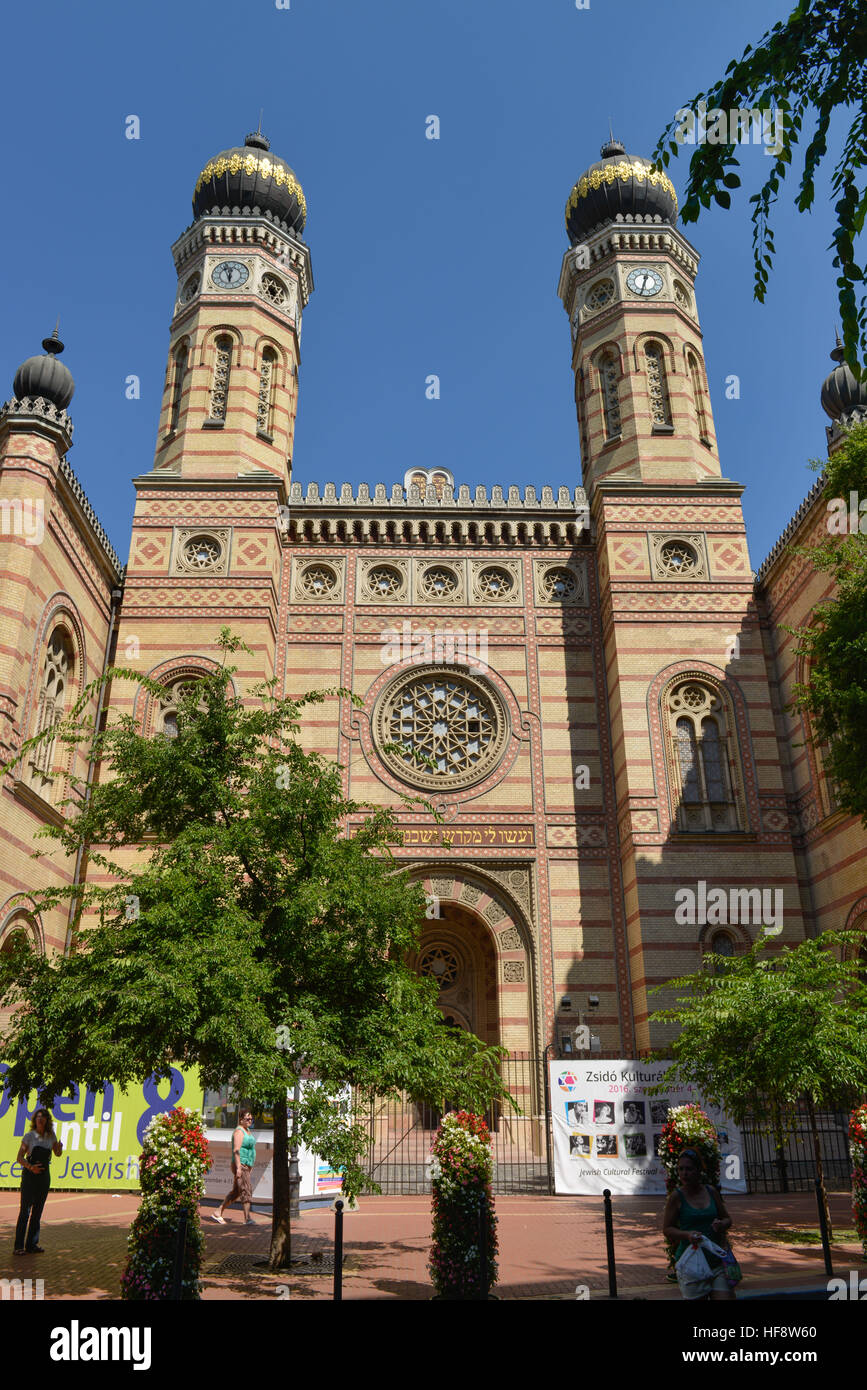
(250, 179)
(619, 185)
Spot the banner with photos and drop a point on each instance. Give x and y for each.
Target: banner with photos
(607, 1127)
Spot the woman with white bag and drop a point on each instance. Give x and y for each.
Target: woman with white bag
(695, 1220)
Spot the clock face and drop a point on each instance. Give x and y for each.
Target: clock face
(229, 275)
(644, 282)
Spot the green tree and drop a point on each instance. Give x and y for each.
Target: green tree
(262, 932)
(759, 1033)
(806, 67)
(834, 695)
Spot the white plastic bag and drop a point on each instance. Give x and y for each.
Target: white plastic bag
(694, 1275)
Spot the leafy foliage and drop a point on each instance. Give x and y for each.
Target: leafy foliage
(763, 1031)
(835, 644)
(248, 919)
(806, 67)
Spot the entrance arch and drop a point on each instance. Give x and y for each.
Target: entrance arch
(489, 976)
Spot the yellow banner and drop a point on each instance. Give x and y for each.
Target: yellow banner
(101, 1132)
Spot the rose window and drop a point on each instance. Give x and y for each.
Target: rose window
(439, 727)
(439, 582)
(495, 583)
(677, 558)
(202, 552)
(318, 580)
(601, 294)
(274, 289)
(441, 964)
(559, 584)
(384, 581)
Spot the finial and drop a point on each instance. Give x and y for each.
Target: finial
(837, 353)
(612, 146)
(53, 345)
(256, 140)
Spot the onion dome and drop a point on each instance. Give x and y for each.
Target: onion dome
(619, 185)
(249, 179)
(841, 393)
(45, 376)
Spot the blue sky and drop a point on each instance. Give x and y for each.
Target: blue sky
(428, 256)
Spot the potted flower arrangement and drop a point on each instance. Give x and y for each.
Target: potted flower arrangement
(463, 1209)
(172, 1168)
(858, 1152)
(688, 1127)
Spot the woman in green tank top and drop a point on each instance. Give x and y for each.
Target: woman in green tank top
(694, 1210)
(243, 1159)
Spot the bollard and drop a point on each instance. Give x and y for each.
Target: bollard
(338, 1250)
(180, 1247)
(483, 1247)
(823, 1230)
(609, 1244)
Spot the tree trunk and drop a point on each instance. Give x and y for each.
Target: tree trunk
(281, 1234)
(820, 1172)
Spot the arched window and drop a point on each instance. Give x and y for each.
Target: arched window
(702, 758)
(608, 380)
(56, 678)
(222, 372)
(657, 384)
(166, 722)
(267, 378)
(721, 944)
(698, 396)
(180, 372)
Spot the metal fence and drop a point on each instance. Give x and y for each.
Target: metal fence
(792, 1168)
(401, 1134)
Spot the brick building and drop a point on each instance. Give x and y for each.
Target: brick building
(594, 677)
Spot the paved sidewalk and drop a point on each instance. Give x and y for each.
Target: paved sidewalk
(548, 1245)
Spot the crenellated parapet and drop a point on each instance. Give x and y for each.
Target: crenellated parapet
(437, 515)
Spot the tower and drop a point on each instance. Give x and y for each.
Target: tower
(206, 540)
(696, 778)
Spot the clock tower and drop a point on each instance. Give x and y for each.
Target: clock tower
(628, 286)
(682, 650)
(208, 530)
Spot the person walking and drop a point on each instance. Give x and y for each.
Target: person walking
(34, 1155)
(243, 1158)
(693, 1211)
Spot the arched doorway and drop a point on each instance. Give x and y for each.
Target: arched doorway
(456, 950)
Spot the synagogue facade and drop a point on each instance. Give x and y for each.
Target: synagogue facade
(589, 682)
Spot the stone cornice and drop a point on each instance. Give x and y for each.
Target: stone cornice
(73, 491)
(801, 515)
(35, 412)
(623, 237)
(445, 520)
(245, 232)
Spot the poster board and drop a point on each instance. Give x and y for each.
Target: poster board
(606, 1127)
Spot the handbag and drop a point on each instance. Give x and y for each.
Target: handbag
(694, 1276)
(731, 1269)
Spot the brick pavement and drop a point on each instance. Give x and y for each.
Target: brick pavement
(548, 1245)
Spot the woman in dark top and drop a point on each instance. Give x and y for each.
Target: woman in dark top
(37, 1146)
(694, 1210)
